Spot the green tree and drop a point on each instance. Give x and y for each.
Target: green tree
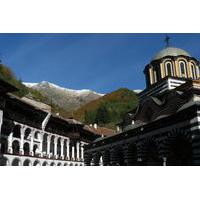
(89, 117)
(102, 115)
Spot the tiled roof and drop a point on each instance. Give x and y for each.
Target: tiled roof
(100, 130)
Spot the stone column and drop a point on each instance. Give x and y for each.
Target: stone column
(41, 144)
(77, 151)
(1, 120)
(55, 147)
(68, 149)
(48, 145)
(82, 151)
(164, 161)
(101, 161)
(22, 140)
(62, 146)
(73, 152)
(32, 138)
(10, 140)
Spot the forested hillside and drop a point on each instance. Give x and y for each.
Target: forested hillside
(109, 109)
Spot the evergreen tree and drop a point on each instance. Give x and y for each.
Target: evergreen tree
(90, 117)
(102, 115)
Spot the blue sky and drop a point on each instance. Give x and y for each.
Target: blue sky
(101, 62)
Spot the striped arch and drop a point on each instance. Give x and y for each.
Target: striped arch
(117, 156)
(27, 162)
(16, 162)
(4, 161)
(36, 163)
(177, 147)
(96, 158)
(45, 163)
(88, 159)
(149, 152)
(52, 164)
(66, 164)
(131, 154)
(106, 157)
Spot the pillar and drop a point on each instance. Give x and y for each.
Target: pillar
(62, 146)
(82, 152)
(73, 151)
(10, 140)
(164, 161)
(22, 140)
(77, 151)
(162, 70)
(101, 161)
(68, 149)
(41, 144)
(55, 147)
(48, 145)
(32, 138)
(1, 120)
(151, 75)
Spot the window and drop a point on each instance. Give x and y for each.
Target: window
(182, 69)
(194, 71)
(168, 69)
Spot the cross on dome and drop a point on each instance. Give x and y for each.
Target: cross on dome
(167, 38)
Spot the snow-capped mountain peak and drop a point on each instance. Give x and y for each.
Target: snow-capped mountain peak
(30, 84)
(52, 85)
(69, 99)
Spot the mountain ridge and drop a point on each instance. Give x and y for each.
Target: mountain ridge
(68, 99)
(27, 84)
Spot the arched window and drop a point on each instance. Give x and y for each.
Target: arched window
(182, 67)
(168, 69)
(27, 134)
(16, 147)
(16, 162)
(37, 134)
(27, 163)
(17, 131)
(26, 149)
(194, 71)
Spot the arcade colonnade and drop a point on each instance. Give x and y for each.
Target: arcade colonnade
(173, 149)
(26, 141)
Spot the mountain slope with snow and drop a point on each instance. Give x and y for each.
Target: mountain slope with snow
(67, 99)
